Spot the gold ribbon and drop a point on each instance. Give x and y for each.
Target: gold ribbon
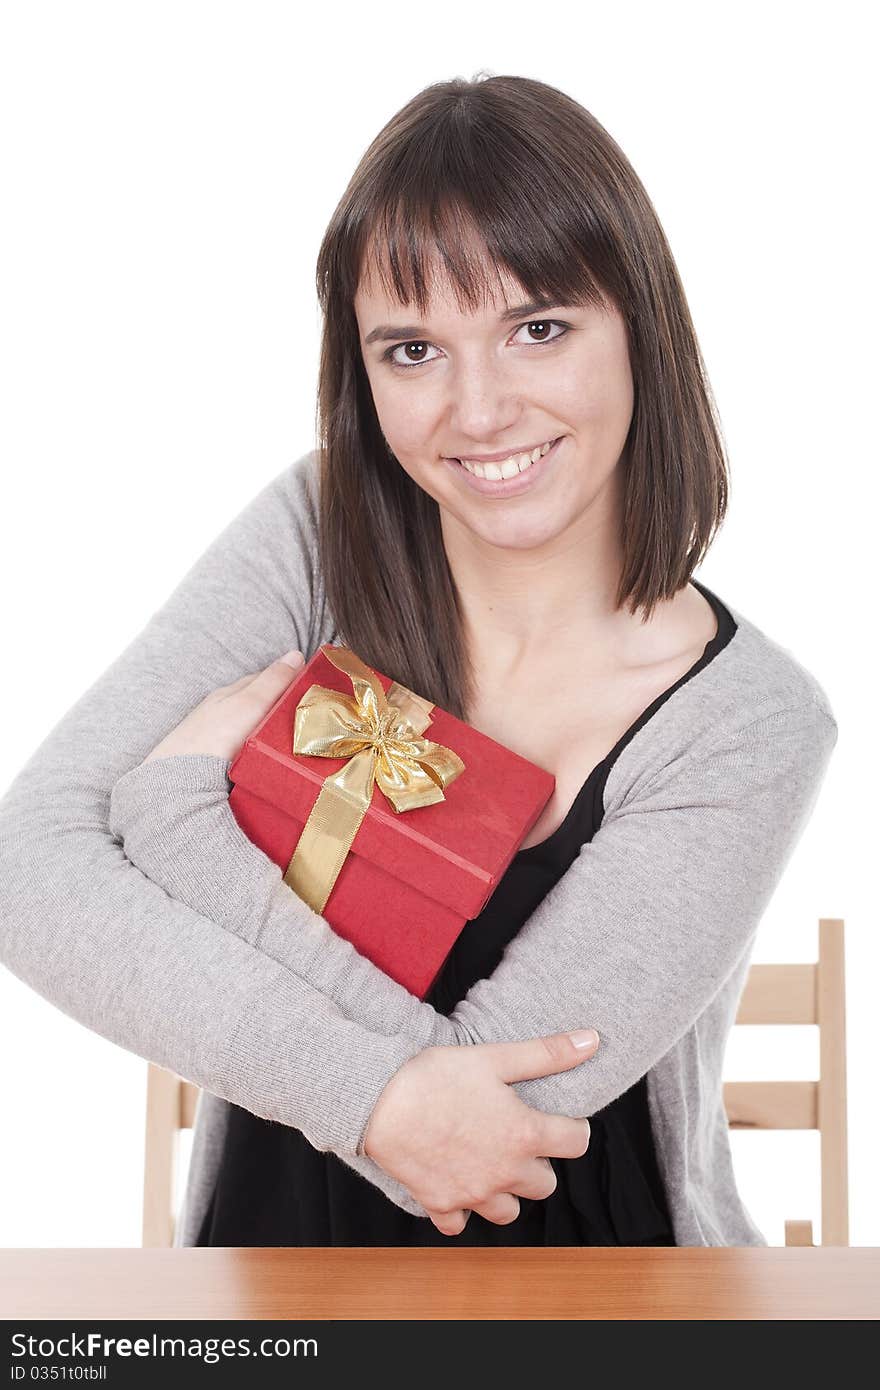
(380, 734)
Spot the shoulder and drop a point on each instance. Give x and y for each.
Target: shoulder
(269, 552)
(282, 523)
(284, 510)
(755, 699)
(294, 491)
(772, 676)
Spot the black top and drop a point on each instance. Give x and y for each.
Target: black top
(274, 1188)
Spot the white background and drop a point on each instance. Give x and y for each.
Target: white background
(168, 170)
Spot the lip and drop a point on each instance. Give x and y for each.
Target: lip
(505, 454)
(506, 487)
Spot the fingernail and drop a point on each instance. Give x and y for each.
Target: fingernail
(293, 658)
(584, 1037)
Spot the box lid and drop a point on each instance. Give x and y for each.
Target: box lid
(455, 851)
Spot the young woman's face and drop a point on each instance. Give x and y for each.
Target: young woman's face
(506, 380)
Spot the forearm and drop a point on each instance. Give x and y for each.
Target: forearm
(174, 819)
(86, 930)
(636, 939)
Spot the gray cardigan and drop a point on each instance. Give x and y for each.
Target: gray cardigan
(130, 898)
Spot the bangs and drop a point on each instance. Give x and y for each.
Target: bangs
(463, 210)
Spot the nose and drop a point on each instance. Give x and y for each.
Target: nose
(484, 403)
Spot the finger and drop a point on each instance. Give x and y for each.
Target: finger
(292, 658)
(560, 1137)
(450, 1223)
(277, 670)
(522, 1061)
(500, 1209)
(239, 684)
(272, 679)
(538, 1181)
(282, 669)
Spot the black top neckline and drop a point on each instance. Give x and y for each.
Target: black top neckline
(726, 629)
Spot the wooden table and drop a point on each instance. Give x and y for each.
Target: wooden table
(463, 1283)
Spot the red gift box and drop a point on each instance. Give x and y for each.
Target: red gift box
(410, 879)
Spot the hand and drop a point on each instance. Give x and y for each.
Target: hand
(221, 723)
(450, 1128)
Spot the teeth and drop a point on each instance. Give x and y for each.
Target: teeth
(517, 463)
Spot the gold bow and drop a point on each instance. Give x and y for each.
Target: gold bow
(380, 734)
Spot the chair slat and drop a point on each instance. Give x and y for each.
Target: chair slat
(779, 994)
(772, 1104)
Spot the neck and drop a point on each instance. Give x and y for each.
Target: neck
(519, 604)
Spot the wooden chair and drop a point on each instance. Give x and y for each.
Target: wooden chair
(808, 993)
(794, 993)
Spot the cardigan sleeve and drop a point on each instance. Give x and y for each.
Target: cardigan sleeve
(89, 932)
(635, 939)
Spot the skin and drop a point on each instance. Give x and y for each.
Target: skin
(541, 567)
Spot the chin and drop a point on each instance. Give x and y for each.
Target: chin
(526, 533)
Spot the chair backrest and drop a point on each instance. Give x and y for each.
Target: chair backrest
(784, 994)
(814, 992)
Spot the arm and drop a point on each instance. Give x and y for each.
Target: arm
(637, 937)
(86, 930)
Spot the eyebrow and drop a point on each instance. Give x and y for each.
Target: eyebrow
(386, 331)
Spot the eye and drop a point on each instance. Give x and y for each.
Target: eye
(417, 343)
(546, 323)
(390, 353)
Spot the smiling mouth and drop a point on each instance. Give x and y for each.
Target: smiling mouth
(509, 467)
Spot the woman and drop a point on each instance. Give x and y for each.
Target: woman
(497, 229)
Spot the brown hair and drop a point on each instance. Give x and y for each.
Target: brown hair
(553, 200)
